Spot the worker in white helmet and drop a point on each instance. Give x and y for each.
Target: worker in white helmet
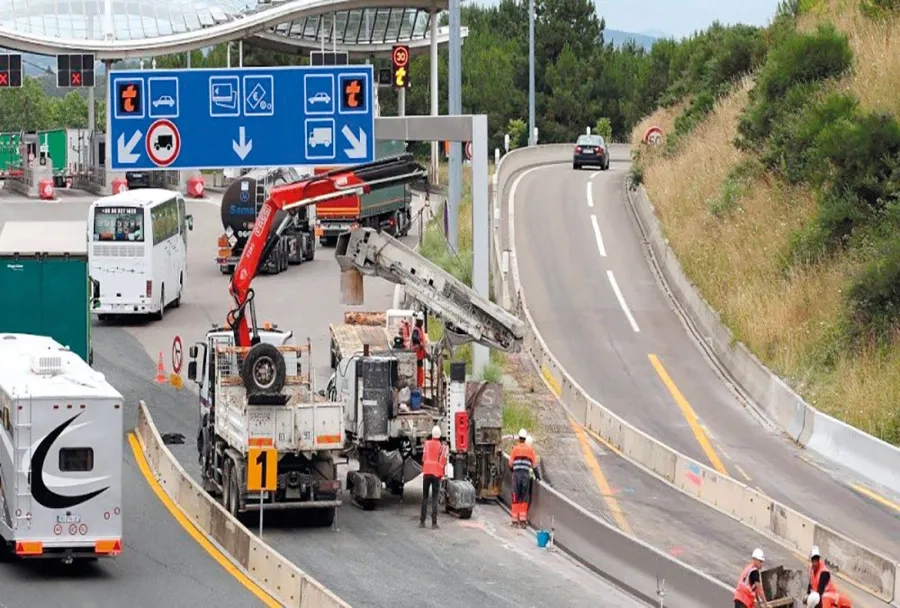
(749, 586)
(434, 459)
(521, 460)
(819, 575)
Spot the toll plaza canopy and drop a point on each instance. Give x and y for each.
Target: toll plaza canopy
(123, 29)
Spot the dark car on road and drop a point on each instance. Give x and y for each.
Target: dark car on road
(591, 150)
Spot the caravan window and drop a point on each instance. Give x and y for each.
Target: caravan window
(119, 224)
(76, 460)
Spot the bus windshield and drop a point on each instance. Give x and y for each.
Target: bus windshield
(119, 224)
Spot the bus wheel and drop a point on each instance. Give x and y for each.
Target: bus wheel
(177, 301)
(162, 304)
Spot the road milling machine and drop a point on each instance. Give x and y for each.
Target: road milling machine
(375, 377)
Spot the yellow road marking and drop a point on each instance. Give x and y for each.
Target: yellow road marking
(600, 478)
(555, 388)
(689, 415)
(604, 442)
(194, 533)
(876, 497)
(742, 472)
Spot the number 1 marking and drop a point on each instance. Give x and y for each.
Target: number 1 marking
(262, 461)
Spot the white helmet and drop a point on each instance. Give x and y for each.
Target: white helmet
(523, 434)
(529, 440)
(436, 432)
(758, 554)
(418, 316)
(814, 552)
(813, 600)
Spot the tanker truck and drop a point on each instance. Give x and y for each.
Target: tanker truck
(240, 205)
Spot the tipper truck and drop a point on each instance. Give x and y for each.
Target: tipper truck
(241, 203)
(389, 208)
(45, 287)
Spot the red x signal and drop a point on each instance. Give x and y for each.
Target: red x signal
(4, 79)
(76, 78)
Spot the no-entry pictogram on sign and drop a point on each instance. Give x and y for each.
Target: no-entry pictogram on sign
(177, 354)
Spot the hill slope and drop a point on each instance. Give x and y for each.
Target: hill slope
(618, 38)
(792, 235)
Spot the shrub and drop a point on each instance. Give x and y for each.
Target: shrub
(874, 298)
(603, 127)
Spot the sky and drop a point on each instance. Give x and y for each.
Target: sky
(682, 17)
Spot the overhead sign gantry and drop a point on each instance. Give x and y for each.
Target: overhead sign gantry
(247, 117)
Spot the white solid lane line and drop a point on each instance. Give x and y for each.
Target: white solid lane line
(615, 286)
(597, 235)
(590, 195)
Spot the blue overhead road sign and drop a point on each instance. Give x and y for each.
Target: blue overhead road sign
(248, 117)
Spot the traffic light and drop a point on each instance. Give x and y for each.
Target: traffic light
(75, 70)
(400, 66)
(10, 71)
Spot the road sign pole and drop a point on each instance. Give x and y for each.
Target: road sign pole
(455, 107)
(531, 138)
(261, 494)
(435, 106)
(401, 102)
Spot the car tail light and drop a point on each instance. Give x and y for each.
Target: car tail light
(149, 289)
(577, 148)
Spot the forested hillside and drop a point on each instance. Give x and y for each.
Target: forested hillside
(778, 190)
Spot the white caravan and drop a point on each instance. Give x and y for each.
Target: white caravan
(60, 453)
(138, 251)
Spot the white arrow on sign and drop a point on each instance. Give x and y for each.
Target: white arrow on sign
(126, 151)
(358, 145)
(243, 147)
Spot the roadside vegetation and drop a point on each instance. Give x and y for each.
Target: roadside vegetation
(779, 194)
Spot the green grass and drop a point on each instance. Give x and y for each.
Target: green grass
(517, 415)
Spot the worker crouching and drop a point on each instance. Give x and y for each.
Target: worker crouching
(521, 460)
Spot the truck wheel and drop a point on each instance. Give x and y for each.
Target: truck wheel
(226, 485)
(323, 518)
(263, 370)
(465, 513)
(234, 493)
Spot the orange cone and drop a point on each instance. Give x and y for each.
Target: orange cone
(160, 370)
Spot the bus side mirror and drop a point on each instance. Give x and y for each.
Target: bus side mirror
(192, 351)
(192, 370)
(190, 221)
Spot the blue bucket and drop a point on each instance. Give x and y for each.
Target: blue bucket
(415, 399)
(543, 537)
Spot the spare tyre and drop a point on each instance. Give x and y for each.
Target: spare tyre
(263, 370)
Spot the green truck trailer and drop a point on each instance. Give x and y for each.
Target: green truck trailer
(64, 149)
(387, 207)
(45, 287)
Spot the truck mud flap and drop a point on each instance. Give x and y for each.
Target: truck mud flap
(365, 489)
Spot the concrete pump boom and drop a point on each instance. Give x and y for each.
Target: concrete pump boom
(467, 316)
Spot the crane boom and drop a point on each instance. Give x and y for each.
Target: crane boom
(338, 183)
(467, 316)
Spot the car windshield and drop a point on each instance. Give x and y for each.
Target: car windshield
(119, 224)
(590, 140)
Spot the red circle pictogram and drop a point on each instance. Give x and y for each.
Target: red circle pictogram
(177, 354)
(469, 150)
(400, 56)
(163, 143)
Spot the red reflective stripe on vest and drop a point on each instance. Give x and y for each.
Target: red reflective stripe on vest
(743, 592)
(432, 455)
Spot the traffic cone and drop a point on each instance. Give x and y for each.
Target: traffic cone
(160, 370)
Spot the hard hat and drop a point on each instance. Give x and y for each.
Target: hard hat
(523, 434)
(814, 552)
(758, 554)
(436, 432)
(813, 600)
(418, 316)
(529, 440)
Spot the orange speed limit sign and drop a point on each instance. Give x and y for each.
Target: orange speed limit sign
(400, 56)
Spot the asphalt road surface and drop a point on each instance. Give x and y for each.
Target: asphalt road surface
(373, 558)
(160, 564)
(606, 318)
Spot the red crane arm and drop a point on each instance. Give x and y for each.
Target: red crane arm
(339, 183)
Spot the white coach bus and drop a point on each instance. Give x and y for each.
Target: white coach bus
(138, 252)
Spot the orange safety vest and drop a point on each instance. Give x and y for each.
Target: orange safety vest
(522, 457)
(814, 577)
(404, 331)
(744, 592)
(833, 599)
(423, 342)
(434, 458)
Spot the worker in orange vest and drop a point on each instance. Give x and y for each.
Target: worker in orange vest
(749, 586)
(404, 332)
(829, 599)
(521, 460)
(419, 339)
(820, 581)
(434, 461)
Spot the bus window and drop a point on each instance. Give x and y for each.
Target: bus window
(182, 220)
(165, 221)
(119, 224)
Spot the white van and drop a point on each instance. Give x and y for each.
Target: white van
(138, 252)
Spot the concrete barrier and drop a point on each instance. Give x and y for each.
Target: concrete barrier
(873, 572)
(276, 575)
(628, 562)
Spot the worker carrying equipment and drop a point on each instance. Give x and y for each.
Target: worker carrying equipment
(434, 461)
(821, 585)
(522, 460)
(749, 586)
